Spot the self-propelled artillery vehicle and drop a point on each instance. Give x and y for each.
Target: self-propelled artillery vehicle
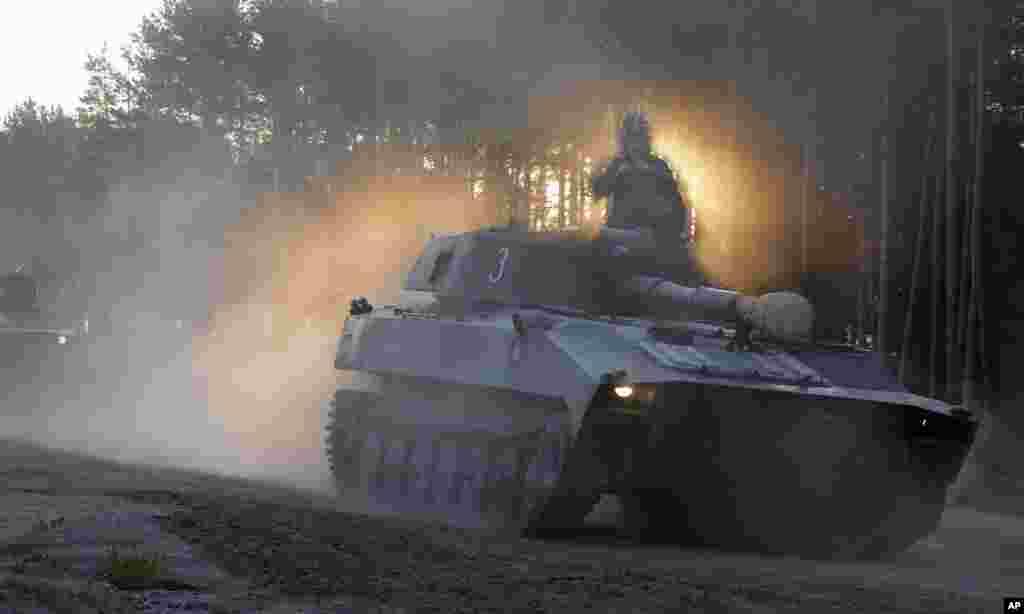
(525, 376)
(32, 343)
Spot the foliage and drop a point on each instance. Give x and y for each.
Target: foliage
(135, 570)
(113, 100)
(194, 62)
(1006, 84)
(36, 151)
(28, 121)
(289, 74)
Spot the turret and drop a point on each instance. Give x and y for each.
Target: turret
(603, 271)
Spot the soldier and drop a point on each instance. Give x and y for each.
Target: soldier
(641, 189)
(642, 192)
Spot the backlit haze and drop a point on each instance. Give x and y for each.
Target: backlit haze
(45, 45)
(240, 386)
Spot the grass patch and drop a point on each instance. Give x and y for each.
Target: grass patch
(133, 570)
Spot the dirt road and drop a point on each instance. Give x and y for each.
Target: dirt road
(235, 545)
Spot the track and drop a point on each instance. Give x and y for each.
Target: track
(261, 531)
(386, 450)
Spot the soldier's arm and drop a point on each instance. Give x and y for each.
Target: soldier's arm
(679, 220)
(605, 178)
(669, 183)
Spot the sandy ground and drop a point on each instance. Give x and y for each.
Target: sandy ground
(58, 529)
(66, 511)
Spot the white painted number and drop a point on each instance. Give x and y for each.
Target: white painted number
(499, 269)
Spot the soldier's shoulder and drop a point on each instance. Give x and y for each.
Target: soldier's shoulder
(662, 165)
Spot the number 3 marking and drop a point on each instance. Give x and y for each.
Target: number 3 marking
(499, 270)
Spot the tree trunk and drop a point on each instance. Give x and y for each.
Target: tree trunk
(883, 259)
(976, 394)
(574, 189)
(530, 219)
(970, 374)
(906, 357)
(936, 367)
(805, 173)
(560, 165)
(952, 208)
(523, 183)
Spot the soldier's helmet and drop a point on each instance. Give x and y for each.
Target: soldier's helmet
(635, 132)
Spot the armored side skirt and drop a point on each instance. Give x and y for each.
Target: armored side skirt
(719, 466)
(779, 472)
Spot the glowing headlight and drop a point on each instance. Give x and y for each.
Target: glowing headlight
(62, 339)
(624, 392)
(620, 383)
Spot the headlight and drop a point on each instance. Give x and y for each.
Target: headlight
(62, 339)
(620, 395)
(620, 383)
(624, 391)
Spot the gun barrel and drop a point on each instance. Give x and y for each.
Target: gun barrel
(671, 300)
(784, 315)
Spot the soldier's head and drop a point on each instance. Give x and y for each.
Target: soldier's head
(635, 135)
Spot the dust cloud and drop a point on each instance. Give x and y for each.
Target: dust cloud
(213, 317)
(125, 391)
(291, 266)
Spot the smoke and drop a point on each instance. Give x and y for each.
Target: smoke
(215, 316)
(21, 227)
(291, 265)
(125, 391)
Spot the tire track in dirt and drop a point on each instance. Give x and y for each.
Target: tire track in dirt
(297, 551)
(287, 546)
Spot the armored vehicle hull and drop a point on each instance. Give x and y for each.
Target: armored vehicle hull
(32, 348)
(524, 416)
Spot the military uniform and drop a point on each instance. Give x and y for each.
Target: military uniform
(643, 193)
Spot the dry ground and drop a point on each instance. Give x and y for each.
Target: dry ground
(260, 547)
